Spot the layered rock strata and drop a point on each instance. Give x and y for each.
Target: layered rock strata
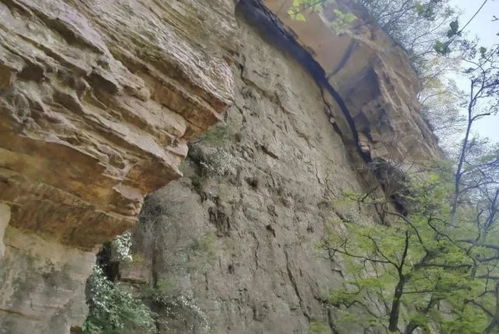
(97, 102)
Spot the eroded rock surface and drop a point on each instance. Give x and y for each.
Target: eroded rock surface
(43, 285)
(238, 235)
(97, 102)
(373, 76)
(257, 200)
(4, 221)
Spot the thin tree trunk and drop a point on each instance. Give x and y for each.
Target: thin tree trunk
(395, 309)
(494, 323)
(459, 170)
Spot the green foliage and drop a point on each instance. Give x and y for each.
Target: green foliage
(420, 261)
(163, 290)
(218, 135)
(298, 7)
(442, 48)
(205, 246)
(342, 21)
(318, 327)
(175, 306)
(453, 29)
(113, 309)
(414, 24)
(202, 252)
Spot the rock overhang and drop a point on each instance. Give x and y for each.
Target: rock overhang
(374, 82)
(97, 103)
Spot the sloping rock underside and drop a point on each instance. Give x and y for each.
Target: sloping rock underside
(97, 102)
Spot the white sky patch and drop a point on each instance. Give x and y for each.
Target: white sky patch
(486, 30)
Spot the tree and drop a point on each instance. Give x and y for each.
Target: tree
(415, 267)
(473, 163)
(421, 255)
(441, 107)
(434, 263)
(416, 25)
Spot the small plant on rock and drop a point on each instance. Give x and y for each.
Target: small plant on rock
(121, 246)
(175, 306)
(113, 309)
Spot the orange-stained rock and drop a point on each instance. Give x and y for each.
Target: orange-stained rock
(97, 102)
(373, 76)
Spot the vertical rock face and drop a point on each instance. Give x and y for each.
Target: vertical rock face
(238, 233)
(43, 285)
(236, 238)
(97, 102)
(4, 221)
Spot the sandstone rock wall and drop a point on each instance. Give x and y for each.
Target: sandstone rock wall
(237, 235)
(97, 102)
(258, 200)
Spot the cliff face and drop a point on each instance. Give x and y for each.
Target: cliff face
(238, 235)
(98, 100)
(372, 76)
(257, 199)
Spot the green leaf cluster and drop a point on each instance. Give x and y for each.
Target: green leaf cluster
(441, 279)
(113, 309)
(298, 7)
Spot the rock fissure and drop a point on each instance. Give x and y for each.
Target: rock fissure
(295, 286)
(271, 27)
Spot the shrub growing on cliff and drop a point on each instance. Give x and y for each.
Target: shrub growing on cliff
(318, 327)
(113, 309)
(174, 306)
(218, 135)
(121, 247)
